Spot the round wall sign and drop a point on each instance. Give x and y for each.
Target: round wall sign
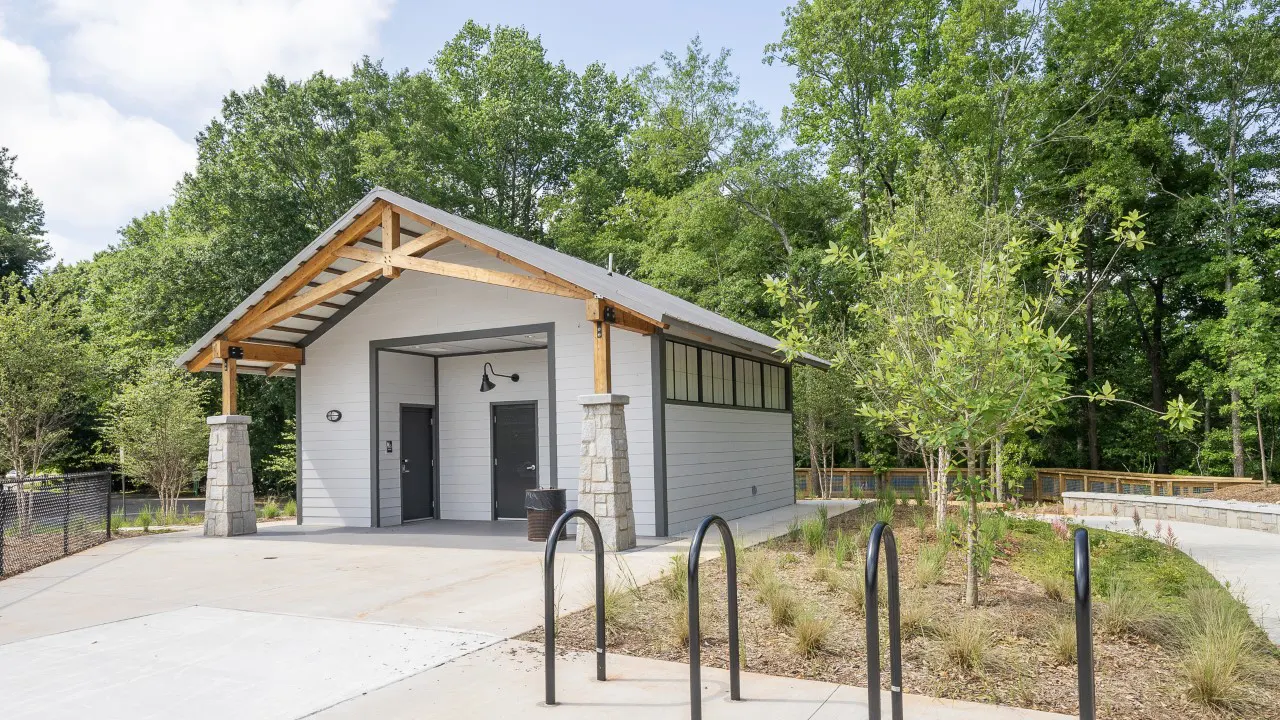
(334, 415)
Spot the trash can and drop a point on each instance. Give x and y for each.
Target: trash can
(543, 507)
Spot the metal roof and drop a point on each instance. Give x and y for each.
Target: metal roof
(684, 317)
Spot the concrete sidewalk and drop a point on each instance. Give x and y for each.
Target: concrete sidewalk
(506, 680)
(404, 622)
(1246, 560)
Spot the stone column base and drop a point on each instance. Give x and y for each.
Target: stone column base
(228, 503)
(604, 475)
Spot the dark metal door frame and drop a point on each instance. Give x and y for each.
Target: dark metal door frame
(493, 448)
(432, 443)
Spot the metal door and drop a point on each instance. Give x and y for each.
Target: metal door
(515, 457)
(417, 496)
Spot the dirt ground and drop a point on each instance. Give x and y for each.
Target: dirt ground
(1251, 493)
(1137, 678)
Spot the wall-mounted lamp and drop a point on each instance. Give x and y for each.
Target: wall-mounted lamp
(486, 384)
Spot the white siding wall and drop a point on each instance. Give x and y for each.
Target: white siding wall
(466, 428)
(335, 456)
(716, 457)
(401, 379)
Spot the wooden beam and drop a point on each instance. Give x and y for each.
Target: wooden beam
(602, 362)
(425, 242)
(271, 371)
(477, 245)
(462, 272)
(201, 360)
(344, 282)
(258, 352)
(614, 314)
(229, 387)
(390, 238)
(299, 278)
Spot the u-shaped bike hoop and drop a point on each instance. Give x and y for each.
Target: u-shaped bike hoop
(695, 629)
(549, 599)
(882, 532)
(1084, 625)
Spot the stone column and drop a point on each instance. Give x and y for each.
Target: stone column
(228, 503)
(604, 476)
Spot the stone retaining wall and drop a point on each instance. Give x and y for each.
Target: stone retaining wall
(1222, 513)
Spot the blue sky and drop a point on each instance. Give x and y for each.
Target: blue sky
(103, 98)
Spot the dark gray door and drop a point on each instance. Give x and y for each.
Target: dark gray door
(515, 455)
(417, 496)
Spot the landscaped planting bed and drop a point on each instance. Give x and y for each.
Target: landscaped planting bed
(1169, 640)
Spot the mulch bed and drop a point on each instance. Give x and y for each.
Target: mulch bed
(1250, 493)
(1136, 678)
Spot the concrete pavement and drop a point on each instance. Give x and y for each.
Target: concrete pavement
(398, 622)
(1246, 560)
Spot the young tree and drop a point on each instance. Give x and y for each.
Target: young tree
(959, 352)
(22, 244)
(42, 371)
(159, 427)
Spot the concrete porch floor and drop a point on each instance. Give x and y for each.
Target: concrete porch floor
(295, 620)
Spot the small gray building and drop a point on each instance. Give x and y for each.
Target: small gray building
(441, 366)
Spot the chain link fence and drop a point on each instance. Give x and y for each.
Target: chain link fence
(47, 517)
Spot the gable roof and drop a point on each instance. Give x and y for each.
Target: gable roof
(684, 317)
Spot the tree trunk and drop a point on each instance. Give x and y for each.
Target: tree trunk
(1237, 437)
(997, 470)
(857, 448)
(1262, 448)
(940, 488)
(1090, 409)
(971, 538)
(815, 463)
(1157, 376)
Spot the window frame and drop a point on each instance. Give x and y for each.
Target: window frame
(732, 381)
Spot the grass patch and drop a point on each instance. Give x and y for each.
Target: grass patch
(781, 602)
(1061, 638)
(931, 564)
(810, 631)
(813, 533)
(1223, 652)
(675, 579)
(967, 643)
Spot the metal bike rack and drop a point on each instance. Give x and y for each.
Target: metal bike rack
(549, 599)
(882, 532)
(695, 629)
(1084, 626)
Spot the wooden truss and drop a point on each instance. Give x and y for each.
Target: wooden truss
(315, 283)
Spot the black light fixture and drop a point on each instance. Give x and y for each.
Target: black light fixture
(486, 384)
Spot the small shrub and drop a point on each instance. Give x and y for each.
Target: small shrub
(822, 566)
(844, 547)
(1061, 639)
(967, 643)
(269, 510)
(1061, 529)
(1170, 541)
(858, 591)
(1126, 610)
(146, 516)
(951, 530)
(931, 564)
(788, 558)
(1056, 587)
(810, 632)
(922, 524)
(291, 508)
(678, 625)
(917, 495)
(813, 533)
(884, 512)
(1137, 521)
(781, 603)
(917, 619)
(675, 579)
(1222, 651)
(757, 568)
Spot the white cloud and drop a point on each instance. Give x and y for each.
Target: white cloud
(167, 53)
(92, 166)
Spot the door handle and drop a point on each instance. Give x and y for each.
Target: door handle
(404, 465)
(531, 467)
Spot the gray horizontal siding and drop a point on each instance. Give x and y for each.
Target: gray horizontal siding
(716, 455)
